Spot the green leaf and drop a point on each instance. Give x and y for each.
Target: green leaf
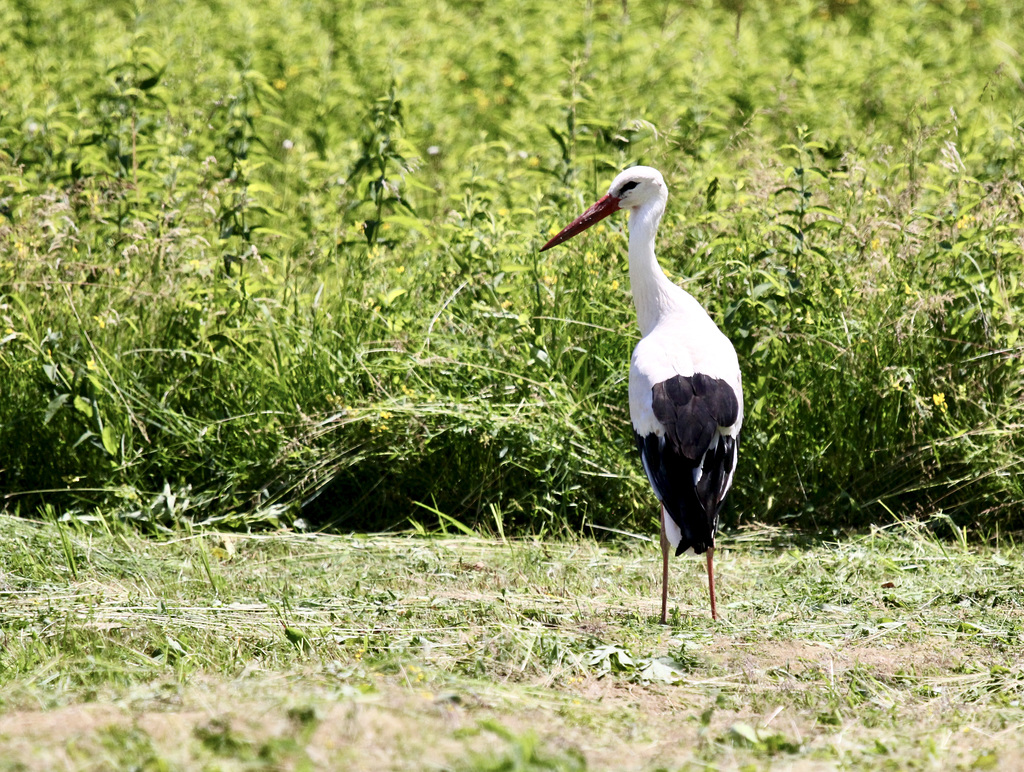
(412, 223)
(986, 761)
(743, 734)
(609, 658)
(83, 406)
(55, 404)
(266, 231)
(84, 436)
(389, 297)
(260, 187)
(109, 440)
(298, 639)
(663, 670)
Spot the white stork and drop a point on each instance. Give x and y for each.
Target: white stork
(685, 394)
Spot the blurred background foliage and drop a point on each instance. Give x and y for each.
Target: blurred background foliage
(262, 262)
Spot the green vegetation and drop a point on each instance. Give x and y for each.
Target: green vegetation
(268, 268)
(893, 650)
(261, 256)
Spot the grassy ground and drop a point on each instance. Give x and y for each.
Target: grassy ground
(291, 651)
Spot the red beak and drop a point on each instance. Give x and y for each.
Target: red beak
(595, 214)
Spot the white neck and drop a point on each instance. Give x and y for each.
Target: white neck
(653, 294)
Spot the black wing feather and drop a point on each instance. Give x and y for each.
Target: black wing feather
(691, 408)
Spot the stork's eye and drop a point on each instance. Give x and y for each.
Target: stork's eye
(627, 187)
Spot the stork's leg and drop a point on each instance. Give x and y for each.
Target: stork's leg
(664, 570)
(711, 582)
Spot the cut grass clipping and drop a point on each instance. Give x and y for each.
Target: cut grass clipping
(891, 650)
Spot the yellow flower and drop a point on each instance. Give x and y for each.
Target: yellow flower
(280, 83)
(91, 365)
(615, 284)
(940, 401)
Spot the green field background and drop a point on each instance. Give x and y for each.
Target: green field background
(276, 263)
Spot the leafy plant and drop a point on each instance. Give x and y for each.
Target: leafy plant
(290, 271)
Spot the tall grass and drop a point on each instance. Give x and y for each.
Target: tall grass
(259, 263)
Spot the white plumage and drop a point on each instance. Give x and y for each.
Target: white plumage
(685, 389)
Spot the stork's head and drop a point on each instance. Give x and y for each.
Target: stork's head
(632, 189)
